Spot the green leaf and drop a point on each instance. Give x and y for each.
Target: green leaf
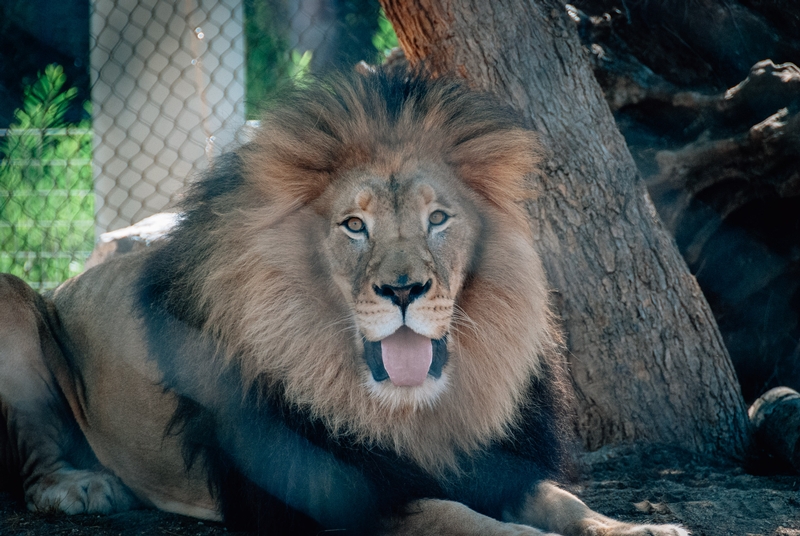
(385, 39)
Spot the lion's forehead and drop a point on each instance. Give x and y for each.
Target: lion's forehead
(396, 198)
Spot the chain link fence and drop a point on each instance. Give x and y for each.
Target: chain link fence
(173, 83)
(167, 92)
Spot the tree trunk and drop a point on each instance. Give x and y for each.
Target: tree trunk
(647, 361)
(709, 104)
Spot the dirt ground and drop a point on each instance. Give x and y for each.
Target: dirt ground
(709, 497)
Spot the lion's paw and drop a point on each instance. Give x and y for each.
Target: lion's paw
(74, 491)
(625, 529)
(512, 529)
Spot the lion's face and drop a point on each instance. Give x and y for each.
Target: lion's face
(399, 247)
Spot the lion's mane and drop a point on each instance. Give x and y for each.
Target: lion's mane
(239, 306)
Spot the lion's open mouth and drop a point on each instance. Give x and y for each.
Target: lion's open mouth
(405, 357)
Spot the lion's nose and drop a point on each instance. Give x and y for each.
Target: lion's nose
(402, 296)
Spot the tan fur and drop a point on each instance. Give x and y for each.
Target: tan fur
(115, 390)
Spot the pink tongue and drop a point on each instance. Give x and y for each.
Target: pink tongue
(406, 357)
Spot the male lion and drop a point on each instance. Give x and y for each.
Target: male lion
(348, 329)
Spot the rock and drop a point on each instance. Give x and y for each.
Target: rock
(137, 236)
(775, 417)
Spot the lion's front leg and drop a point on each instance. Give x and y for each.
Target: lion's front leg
(449, 518)
(553, 509)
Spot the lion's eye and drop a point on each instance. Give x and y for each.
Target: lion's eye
(354, 225)
(437, 217)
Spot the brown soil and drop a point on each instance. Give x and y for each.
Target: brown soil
(709, 497)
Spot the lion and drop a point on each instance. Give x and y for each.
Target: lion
(348, 330)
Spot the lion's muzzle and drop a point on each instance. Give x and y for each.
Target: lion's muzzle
(405, 358)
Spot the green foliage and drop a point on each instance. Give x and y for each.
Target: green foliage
(357, 22)
(45, 104)
(46, 196)
(384, 39)
(270, 63)
(267, 57)
(300, 66)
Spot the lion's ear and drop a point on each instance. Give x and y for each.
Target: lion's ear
(495, 164)
(293, 164)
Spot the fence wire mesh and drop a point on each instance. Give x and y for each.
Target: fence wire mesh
(167, 90)
(172, 84)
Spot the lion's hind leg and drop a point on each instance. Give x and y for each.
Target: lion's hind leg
(40, 441)
(555, 510)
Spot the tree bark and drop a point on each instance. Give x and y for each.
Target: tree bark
(708, 101)
(647, 360)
